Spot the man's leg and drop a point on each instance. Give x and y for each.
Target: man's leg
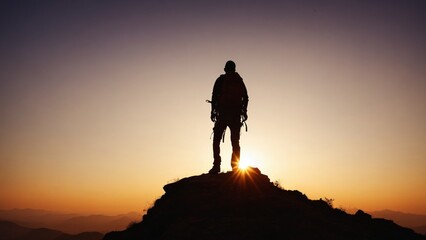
(218, 130)
(235, 141)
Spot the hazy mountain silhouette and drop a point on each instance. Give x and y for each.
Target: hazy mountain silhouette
(34, 218)
(40, 234)
(12, 231)
(81, 236)
(248, 206)
(416, 222)
(9, 230)
(420, 229)
(98, 223)
(68, 223)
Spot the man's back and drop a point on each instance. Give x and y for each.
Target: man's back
(229, 93)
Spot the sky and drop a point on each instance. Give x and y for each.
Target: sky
(102, 103)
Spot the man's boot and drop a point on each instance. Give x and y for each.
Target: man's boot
(234, 165)
(215, 169)
(216, 166)
(235, 159)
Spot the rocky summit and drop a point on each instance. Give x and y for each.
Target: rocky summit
(247, 205)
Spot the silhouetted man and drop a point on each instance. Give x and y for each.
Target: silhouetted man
(229, 109)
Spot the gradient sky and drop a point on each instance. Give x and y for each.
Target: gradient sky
(103, 102)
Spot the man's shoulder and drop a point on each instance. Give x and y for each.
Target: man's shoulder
(220, 78)
(233, 75)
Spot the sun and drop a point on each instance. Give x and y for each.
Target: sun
(243, 165)
(246, 163)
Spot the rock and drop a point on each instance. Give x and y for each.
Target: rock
(246, 205)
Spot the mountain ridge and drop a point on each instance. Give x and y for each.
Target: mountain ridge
(13, 231)
(68, 222)
(417, 222)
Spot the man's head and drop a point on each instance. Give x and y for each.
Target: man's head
(229, 67)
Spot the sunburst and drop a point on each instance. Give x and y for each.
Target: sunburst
(245, 163)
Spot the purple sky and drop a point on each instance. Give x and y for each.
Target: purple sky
(94, 89)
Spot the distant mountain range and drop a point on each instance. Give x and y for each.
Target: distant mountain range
(13, 231)
(414, 221)
(68, 223)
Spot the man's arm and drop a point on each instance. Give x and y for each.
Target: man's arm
(215, 94)
(245, 98)
(245, 101)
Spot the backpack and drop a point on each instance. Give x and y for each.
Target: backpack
(232, 91)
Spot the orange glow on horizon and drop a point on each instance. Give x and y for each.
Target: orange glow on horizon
(100, 111)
